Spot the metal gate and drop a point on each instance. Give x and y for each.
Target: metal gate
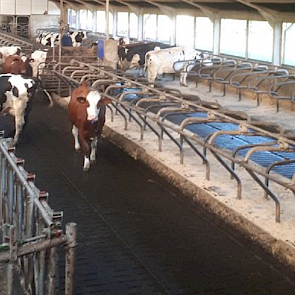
(32, 232)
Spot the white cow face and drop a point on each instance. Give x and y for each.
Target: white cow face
(37, 61)
(93, 99)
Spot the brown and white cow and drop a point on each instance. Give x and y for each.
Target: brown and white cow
(19, 65)
(9, 50)
(86, 111)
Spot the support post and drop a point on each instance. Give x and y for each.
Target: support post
(70, 257)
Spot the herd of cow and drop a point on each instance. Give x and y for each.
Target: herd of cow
(86, 110)
(48, 38)
(18, 83)
(154, 59)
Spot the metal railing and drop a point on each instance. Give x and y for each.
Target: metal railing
(32, 232)
(152, 108)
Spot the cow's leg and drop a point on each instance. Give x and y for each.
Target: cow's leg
(86, 166)
(93, 150)
(183, 77)
(19, 122)
(18, 126)
(75, 134)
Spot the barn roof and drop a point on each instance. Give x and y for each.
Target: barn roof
(271, 10)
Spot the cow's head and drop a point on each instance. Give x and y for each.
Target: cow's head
(79, 37)
(93, 102)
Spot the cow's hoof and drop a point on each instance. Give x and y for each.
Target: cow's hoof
(12, 143)
(86, 169)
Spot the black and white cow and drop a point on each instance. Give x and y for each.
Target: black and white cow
(52, 39)
(132, 56)
(77, 37)
(16, 93)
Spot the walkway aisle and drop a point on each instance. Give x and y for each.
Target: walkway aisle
(136, 233)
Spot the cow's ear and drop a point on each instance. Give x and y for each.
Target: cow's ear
(15, 91)
(106, 101)
(81, 99)
(84, 84)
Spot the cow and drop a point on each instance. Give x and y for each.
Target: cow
(202, 60)
(163, 61)
(16, 93)
(24, 66)
(16, 64)
(48, 38)
(37, 61)
(86, 112)
(132, 56)
(9, 50)
(77, 37)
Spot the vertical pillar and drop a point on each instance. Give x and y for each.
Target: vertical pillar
(173, 36)
(140, 27)
(277, 43)
(94, 21)
(115, 23)
(216, 35)
(70, 257)
(77, 19)
(107, 19)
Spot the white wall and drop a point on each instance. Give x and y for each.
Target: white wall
(41, 22)
(28, 7)
(7, 7)
(39, 6)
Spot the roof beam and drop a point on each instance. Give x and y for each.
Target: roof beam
(271, 1)
(270, 15)
(164, 8)
(131, 7)
(209, 12)
(87, 5)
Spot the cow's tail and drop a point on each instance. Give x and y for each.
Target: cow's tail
(48, 96)
(40, 87)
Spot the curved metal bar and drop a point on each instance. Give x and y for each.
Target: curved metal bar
(273, 91)
(135, 119)
(271, 166)
(123, 115)
(269, 192)
(146, 123)
(239, 84)
(256, 84)
(231, 172)
(249, 146)
(205, 160)
(227, 71)
(164, 130)
(207, 73)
